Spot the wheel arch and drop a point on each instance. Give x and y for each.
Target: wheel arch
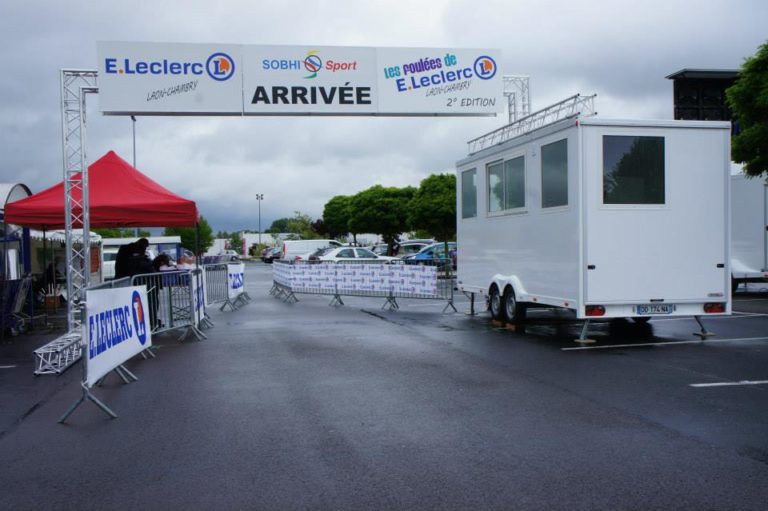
(505, 281)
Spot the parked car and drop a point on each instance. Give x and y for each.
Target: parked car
(434, 254)
(404, 248)
(296, 250)
(412, 247)
(379, 249)
(271, 254)
(342, 254)
(229, 255)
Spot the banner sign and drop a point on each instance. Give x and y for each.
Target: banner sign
(401, 280)
(210, 79)
(198, 295)
(235, 280)
(116, 329)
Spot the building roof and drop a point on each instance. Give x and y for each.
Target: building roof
(704, 73)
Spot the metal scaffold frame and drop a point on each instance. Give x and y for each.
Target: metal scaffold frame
(517, 90)
(576, 105)
(75, 85)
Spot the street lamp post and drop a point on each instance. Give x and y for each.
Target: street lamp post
(259, 197)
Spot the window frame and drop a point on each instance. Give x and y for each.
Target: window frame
(540, 149)
(504, 201)
(601, 190)
(461, 198)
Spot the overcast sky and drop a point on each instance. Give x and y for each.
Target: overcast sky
(621, 50)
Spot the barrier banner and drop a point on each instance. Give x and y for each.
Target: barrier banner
(235, 280)
(198, 295)
(116, 328)
(359, 279)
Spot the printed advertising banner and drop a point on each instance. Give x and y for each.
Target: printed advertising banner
(210, 79)
(116, 327)
(235, 280)
(198, 295)
(398, 280)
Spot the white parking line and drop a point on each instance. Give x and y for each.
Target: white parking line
(7, 367)
(749, 314)
(729, 383)
(666, 343)
(734, 315)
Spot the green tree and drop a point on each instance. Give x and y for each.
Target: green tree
(187, 235)
(433, 207)
(301, 224)
(336, 214)
(748, 100)
(279, 225)
(236, 242)
(382, 211)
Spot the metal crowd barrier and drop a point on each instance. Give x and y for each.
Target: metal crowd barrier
(215, 283)
(173, 301)
(366, 279)
(176, 299)
(56, 356)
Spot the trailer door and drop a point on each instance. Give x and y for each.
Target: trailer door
(655, 213)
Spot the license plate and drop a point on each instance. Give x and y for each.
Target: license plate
(654, 308)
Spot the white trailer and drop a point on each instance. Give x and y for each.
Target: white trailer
(606, 218)
(749, 229)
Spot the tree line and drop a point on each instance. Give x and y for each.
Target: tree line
(429, 210)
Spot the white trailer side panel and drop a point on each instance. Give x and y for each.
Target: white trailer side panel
(537, 250)
(749, 221)
(675, 251)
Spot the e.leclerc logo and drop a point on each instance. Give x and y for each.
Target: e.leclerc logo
(485, 67)
(219, 66)
(138, 317)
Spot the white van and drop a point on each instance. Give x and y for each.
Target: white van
(297, 248)
(749, 229)
(109, 256)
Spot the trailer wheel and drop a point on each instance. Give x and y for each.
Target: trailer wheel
(494, 303)
(514, 311)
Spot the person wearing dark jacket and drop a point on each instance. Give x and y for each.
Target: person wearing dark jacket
(126, 262)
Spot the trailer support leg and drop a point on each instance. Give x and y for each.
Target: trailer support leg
(471, 304)
(583, 337)
(703, 333)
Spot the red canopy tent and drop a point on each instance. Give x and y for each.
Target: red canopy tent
(119, 196)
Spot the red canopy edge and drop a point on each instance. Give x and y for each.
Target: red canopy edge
(119, 196)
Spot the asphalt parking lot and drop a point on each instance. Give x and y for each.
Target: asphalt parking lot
(306, 406)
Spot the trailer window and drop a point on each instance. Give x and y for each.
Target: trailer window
(469, 193)
(495, 187)
(506, 185)
(514, 183)
(554, 174)
(633, 170)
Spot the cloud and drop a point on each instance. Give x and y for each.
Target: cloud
(621, 51)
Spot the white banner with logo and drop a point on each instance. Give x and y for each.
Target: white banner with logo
(235, 280)
(198, 295)
(210, 79)
(169, 78)
(399, 280)
(116, 329)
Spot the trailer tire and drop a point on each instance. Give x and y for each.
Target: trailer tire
(513, 311)
(494, 303)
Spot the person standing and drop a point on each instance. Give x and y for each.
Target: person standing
(125, 261)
